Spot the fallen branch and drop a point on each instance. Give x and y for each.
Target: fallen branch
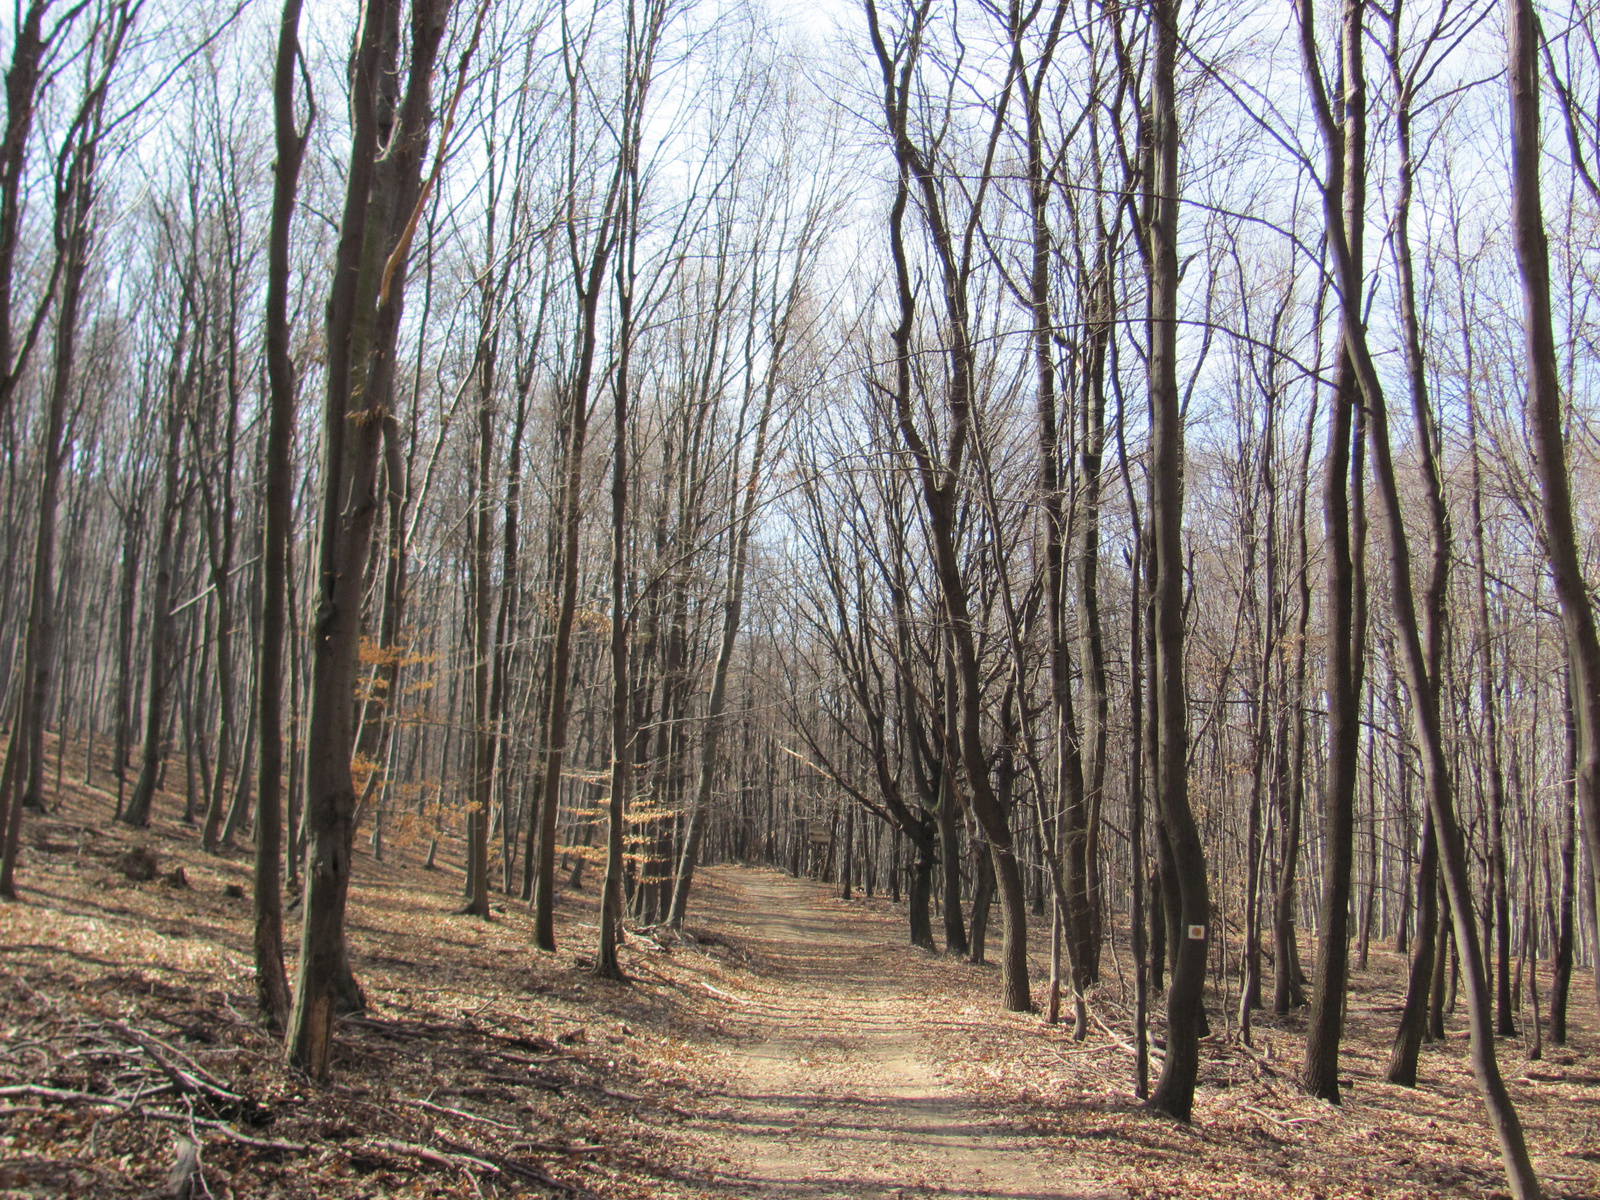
(465, 1116)
(64, 1095)
(556, 1148)
(458, 1162)
(133, 1108)
(722, 994)
(530, 1172)
(1109, 1032)
(1286, 1122)
(187, 1074)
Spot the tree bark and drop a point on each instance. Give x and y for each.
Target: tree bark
(939, 475)
(1174, 1092)
(1561, 981)
(588, 278)
(74, 228)
(1543, 414)
(383, 186)
(1422, 689)
(272, 986)
(1402, 1067)
(1344, 206)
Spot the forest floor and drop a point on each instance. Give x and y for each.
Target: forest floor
(789, 1044)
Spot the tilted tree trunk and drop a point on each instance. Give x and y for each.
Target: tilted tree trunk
(940, 474)
(1402, 1067)
(1543, 415)
(1423, 690)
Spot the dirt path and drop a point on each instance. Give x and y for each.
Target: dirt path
(836, 1096)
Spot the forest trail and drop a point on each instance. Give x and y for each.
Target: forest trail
(836, 1095)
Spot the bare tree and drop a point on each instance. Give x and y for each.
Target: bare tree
(272, 987)
(1186, 881)
(382, 205)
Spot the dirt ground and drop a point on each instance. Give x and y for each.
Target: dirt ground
(790, 1045)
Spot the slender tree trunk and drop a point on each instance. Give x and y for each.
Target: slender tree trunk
(30, 47)
(1419, 981)
(1561, 982)
(955, 928)
(1498, 898)
(1174, 1092)
(1443, 957)
(732, 614)
(939, 476)
(158, 672)
(611, 898)
(588, 281)
(383, 188)
(1543, 414)
(1344, 207)
(1402, 1067)
(74, 230)
(484, 742)
(1423, 689)
(272, 986)
(1286, 972)
(643, 29)
(132, 535)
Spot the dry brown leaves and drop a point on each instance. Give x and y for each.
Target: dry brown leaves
(486, 1068)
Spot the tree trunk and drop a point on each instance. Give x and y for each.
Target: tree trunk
(1423, 689)
(272, 987)
(1561, 982)
(1419, 982)
(939, 476)
(73, 234)
(158, 673)
(383, 188)
(1174, 1092)
(481, 524)
(588, 283)
(955, 928)
(1543, 416)
(1344, 207)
